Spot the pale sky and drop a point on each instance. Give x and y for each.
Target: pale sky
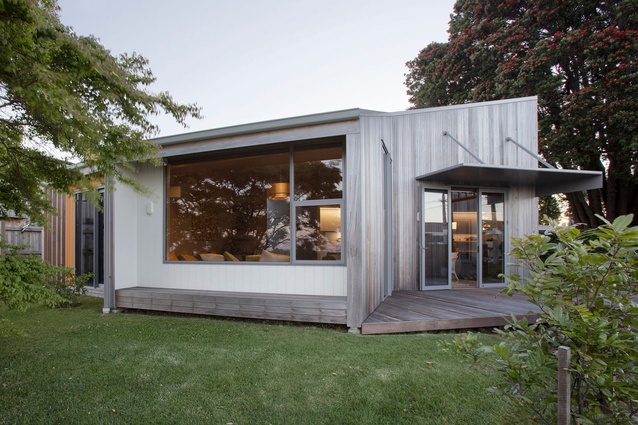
(246, 61)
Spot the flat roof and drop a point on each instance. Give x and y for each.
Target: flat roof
(278, 124)
(545, 181)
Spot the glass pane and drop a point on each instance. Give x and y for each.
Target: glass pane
(318, 173)
(89, 255)
(318, 232)
(465, 237)
(85, 234)
(493, 227)
(435, 238)
(229, 209)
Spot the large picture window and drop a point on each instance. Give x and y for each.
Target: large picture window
(274, 205)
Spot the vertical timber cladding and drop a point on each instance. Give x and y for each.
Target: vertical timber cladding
(59, 239)
(365, 208)
(418, 147)
(356, 272)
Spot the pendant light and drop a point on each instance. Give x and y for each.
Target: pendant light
(279, 192)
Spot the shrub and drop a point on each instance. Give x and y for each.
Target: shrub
(27, 279)
(585, 283)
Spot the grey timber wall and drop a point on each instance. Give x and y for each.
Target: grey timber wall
(417, 145)
(355, 237)
(365, 203)
(55, 237)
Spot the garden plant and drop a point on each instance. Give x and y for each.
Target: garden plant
(585, 283)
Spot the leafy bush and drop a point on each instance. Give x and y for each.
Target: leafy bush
(585, 283)
(27, 279)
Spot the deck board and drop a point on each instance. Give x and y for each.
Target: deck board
(459, 308)
(403, 311)
(302, 308)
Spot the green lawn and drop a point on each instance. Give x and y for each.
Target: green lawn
(79, 366)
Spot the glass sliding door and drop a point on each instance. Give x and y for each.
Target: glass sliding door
(465, 237)
(492, 237)
(435, 240)
(462, 238)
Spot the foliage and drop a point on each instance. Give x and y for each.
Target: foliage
(68, 285)
(548, 210)
(586, 284)
(60, 92)
(578, 56)
(27, 279)
(24, 280)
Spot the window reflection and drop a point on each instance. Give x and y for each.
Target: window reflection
(318, 232)
(237, 207)
(493, 227)
(223, 206)
(318, 173)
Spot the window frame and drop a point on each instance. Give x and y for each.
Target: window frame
(293, 204)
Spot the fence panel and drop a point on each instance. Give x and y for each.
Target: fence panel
(29, 237)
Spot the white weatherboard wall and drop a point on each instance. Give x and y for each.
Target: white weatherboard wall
(139, 241)
(125, 240)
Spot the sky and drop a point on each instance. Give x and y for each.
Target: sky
(245, 61)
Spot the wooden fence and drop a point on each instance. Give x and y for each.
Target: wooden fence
(18, 233)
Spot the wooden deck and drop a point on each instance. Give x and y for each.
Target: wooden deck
(300, 308)
(462, 308)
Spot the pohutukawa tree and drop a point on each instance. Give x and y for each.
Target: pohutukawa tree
(66, 93)
(580, 57)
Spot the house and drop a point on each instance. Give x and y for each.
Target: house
(319, 218)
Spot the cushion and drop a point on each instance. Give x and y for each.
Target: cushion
(188, 257)
(229, 257)
(209, 256)
(253, 257)
(271, 257)
(173, 257)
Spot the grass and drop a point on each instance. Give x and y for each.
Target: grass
(79, 366)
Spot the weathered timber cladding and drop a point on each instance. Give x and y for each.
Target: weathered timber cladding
(59, 240)
(417, 145)
(236, 304)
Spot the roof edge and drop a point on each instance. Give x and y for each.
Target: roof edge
(465, 105)
(270, 125)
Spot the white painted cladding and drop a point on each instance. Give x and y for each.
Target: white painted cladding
(139, 253)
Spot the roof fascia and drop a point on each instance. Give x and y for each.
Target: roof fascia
(278, 124)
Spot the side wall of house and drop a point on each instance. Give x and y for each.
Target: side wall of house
(419, 147)
(366, 204)
(416, 142)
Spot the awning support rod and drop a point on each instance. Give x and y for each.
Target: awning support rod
(538, 158)
(445, 133)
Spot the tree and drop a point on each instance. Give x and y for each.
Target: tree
(548, 210)
(578, 56)
(67, 93)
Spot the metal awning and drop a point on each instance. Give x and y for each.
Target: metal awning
(545, 181)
